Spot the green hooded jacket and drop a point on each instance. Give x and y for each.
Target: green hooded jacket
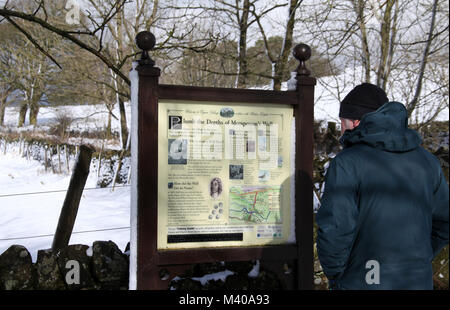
(384, 211)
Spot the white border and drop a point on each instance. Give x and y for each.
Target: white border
(134, 77)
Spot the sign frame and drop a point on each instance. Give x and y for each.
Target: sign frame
(146, 261)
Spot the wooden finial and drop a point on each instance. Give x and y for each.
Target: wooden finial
(145, 40)
(302, 53)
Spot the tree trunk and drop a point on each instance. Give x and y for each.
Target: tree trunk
(123, 123)
(108, 127)
(412, 105)
(391, 45)
(280, 65)
(2, 111)
(22, 113)
(34, 110)
(385, 42)
(277, 78)
(4, 103)
(242, 56)
(359, 9)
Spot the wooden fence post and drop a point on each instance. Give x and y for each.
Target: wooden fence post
(70, 207)
(51, 159)
(66, 152)
(100, 160)
(304, 153)
(58, 150)
(45, 157)
(28, 150)
(20, 146)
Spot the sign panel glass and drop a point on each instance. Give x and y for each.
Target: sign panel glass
(223, 174)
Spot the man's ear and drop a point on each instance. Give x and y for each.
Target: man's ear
(356, 123)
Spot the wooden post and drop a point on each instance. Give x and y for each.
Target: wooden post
(147, 141)
(100, 161)
(66, 151)
(304, 149)
(51, 159)
(145, 259)
(20, 146)
(28, 151)
(45, 157)
(70, 207)
(25, 148)
(120, 161)
(58, 150)
(129, 176)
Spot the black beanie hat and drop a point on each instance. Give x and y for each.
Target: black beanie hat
(362, 99)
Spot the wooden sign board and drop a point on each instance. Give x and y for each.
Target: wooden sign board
(213, 173)
(224, 174)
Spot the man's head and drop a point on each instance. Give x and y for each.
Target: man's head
(360, 100)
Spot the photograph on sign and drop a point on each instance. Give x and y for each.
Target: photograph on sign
(224, 174)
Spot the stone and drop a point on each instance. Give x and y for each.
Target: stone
(127, 249)
(185, 285)
(236, 282)
(214, 285)
(16, 269)
(49, 276)
(199, 270)
(266, 280)
(109, 265)
(242, 268)
(75, 266)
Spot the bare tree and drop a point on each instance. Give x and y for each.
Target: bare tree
(279, 62)
(106, 29)
(7, 79)
(425, 55)
(394, 43)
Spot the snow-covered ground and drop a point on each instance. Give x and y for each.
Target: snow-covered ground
(85, 117)
(29, 216)
(31, 219)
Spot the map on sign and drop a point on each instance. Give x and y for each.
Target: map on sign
(255, 204)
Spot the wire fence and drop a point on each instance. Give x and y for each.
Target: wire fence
(61, 191)
(24, 149)
(73, 233)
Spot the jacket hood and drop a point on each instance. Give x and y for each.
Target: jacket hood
(385, 129)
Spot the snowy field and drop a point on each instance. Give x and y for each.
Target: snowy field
(85, 118)
(31, 219)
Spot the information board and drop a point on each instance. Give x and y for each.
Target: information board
(224, 174)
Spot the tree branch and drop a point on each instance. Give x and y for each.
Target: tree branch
(67, 35)
(30, 38)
